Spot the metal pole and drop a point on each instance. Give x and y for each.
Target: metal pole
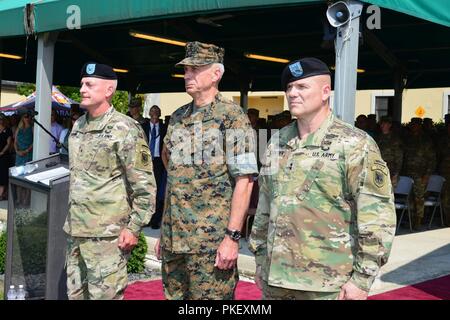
(346, 46)
(44, 79)
(244, 95)
(399, 85)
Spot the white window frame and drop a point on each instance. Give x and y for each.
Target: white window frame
(379, 93)
(445, 105)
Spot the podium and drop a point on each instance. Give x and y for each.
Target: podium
(36, 242)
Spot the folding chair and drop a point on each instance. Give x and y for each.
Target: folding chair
(434, 196)
(402, 198)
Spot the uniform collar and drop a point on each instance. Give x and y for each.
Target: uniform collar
(315, 138)
(208, 113)
(98, 123)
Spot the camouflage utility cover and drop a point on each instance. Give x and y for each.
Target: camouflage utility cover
(200, 54)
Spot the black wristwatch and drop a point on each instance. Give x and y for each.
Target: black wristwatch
(233, 234)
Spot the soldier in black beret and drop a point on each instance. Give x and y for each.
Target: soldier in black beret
(112, 190)
(320, 175)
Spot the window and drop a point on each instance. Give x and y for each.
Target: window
(445, 103)
(448, 104)
(382, 103)
(383, 106)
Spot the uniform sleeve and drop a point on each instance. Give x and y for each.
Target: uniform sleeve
(258, 237)
(240, 146)
(168, 135)
(370, 185)
(141, 186)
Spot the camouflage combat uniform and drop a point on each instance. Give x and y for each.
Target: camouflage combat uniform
(419, 160)
(111, 188)
(444, 170)
(326, 216)
(392, 153)
(198, 198)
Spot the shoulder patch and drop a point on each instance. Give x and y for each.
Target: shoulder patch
(377, 180)
(143, 158)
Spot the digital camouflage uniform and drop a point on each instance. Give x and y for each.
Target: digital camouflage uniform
(392, 153)
(111, 188)
(326, 216)
(419, 160)
(444, 170)
(198, 198)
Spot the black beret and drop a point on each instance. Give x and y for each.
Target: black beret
(98, 70)
(302, 68)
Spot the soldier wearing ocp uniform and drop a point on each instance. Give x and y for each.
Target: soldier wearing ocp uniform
(444, 170)
(419, 163)
(325, 219)
(112, 191)
(390, 148)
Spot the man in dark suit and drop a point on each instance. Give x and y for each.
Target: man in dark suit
(156, 133)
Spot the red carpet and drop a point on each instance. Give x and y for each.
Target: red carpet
(153, 290)
(436, 289)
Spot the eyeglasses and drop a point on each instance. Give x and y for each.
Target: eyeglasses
(27, 116)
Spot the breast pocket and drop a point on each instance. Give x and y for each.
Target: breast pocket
(96, 154)
(305, 187)
(213, 142)
(322, 187)
(82, 150)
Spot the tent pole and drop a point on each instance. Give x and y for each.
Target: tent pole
(44, 79)
(346, 45)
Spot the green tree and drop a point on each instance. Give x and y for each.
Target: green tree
(2, 252)
(71, 92)
(120, 101)
(136, 262)
(25, 89)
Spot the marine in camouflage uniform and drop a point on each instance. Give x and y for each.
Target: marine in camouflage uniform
(199, 192)
(112, 188)
(391, 149)
(444, 170)
(326, 212)
(419, 163)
